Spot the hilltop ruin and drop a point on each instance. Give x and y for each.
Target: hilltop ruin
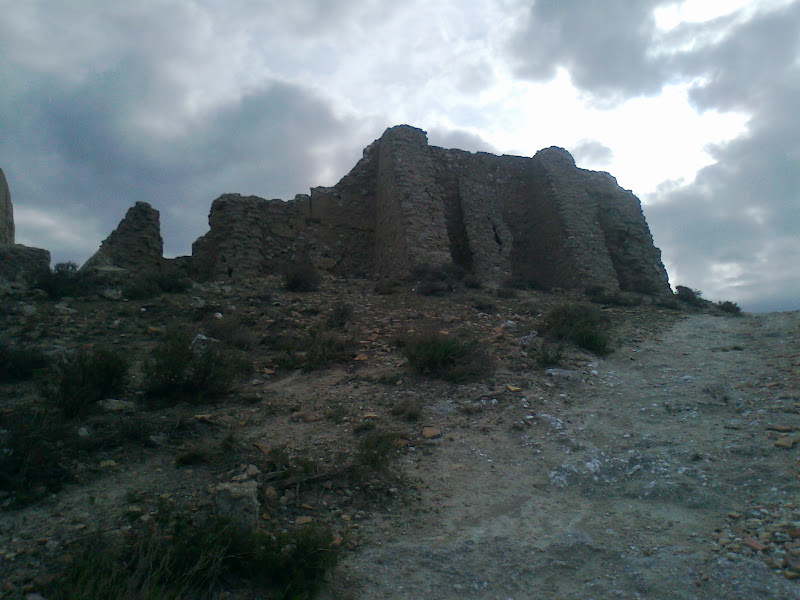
(408, 207)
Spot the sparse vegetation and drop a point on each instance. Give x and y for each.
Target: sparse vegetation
(64, 280)
(340, 314)
(582, 324)
(30, 458)
(20, 364)
(87, 377)
(181, 557)
(302, 277)
(191, 369)
(549, 354)
(410, 409)
(231, 330)
(600, 295)
(690, 296)
(376, 450)
(153, 283)
(729, 307)
(451, 357)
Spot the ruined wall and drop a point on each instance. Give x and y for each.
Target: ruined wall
(410, 228)
(6, 212)
(407, 206)
(135, 245)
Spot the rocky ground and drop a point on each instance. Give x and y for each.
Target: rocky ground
(666, 469)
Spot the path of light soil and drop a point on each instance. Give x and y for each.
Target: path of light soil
(643, 475)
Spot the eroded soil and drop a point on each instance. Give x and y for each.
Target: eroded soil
(667, 469)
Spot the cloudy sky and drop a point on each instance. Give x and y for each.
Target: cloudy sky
(691, 104)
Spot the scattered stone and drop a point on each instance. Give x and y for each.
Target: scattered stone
(754, 544)
(239, 502)
(303, 520)
(785, 442)
(112, 405)
(107, 464)
(431, 432)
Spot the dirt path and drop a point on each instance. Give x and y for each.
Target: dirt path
(653, 473)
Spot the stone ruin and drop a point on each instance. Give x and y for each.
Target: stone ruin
(407, 209)
(17, 262)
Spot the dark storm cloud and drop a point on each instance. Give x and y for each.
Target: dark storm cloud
(592, 153)
(95, 116)
(603, 45)
(75, 148)
(732, 231)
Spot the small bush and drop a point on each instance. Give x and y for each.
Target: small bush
(376, 451)
(327, 347)
(302, 277)
(231, 331)
(549, 354)
(525, 282)
(87, 377)
(182, 370)
(65, 280)
(20, 364)
(437, 282)
(729, 307)
(30, 458)
(181, 558)
(453, 358)
(150, 284)
(600, 295)
(386, 287)
(690, 296)
(409, 409)
(582, 324)
(339, 316)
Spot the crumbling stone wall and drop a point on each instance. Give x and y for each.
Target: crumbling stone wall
(135, 245)
(6, 212)
(408, 206)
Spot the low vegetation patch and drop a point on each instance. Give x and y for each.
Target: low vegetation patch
(193, 369)
(582, 324)
(302, 277)
(20, 364)
(729, 307)
(340, 315)
(690, 296)
(600, 295)
(181, 557)
(150, 284)
(65, 280)
(30, 458)
(88, 377)
(450, 357)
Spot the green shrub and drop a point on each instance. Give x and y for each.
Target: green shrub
(176, 557)
(549, 354)
(339, 316)
(376, 450)
(65, 280)
(450, 357)
(20, 364)
(230, 330)
(179, 369)
(302, 277)
(582, 324)
(729, 307)
(30, 457)
(409, 409)
(87, 377)
(690, 296)
(327, 347)
(149, 284)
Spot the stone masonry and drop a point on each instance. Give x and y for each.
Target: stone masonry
(408, 207)
(135, 245)
(6, 212)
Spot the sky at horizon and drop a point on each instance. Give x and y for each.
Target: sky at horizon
(690, 104)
